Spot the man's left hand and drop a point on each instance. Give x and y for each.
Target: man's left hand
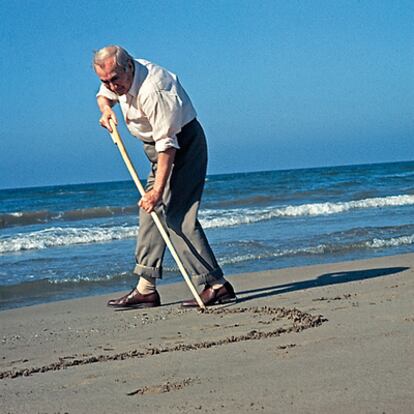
(150, 200)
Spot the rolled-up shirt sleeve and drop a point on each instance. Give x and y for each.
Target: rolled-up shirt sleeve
(164, 112)
(164, 143)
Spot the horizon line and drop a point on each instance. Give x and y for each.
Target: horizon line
(208, 175)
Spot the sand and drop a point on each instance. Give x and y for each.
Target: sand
(336, 338)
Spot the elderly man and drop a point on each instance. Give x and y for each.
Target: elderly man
(158, 111)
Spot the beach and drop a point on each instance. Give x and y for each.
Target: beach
(328, 338)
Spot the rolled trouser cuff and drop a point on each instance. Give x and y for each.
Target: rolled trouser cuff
(146, 271)
(207, 278)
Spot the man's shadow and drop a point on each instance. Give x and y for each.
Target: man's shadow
(322, 280)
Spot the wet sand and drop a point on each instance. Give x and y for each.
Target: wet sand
(334, 338)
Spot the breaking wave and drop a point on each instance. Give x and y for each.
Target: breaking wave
(210, 217)
(236, 217)
(66, 236)
(322, 249)
(393, 242)
(25, 218)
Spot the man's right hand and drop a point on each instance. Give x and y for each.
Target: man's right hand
(108, 114)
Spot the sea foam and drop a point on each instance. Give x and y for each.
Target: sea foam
(234, 217)
(393, 242)
(66, 236)
(320, 249)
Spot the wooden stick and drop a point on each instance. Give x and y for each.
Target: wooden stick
(119, 143)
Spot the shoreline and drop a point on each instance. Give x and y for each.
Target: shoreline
(76, 292)
(324, 338)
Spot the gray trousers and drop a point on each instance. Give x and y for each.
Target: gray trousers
(178, 212)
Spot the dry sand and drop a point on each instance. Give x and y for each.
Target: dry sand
(335, 338)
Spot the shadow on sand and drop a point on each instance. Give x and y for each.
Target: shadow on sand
(322, 280)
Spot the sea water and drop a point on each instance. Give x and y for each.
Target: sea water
(75, 240)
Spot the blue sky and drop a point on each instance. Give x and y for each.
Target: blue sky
(277, 84)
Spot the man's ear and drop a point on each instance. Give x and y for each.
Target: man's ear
(129, 66)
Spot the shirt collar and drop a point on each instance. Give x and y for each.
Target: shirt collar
(138, 79)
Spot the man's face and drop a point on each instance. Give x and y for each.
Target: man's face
(116, 79)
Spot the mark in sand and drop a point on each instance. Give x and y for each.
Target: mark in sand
(297, 321)
(161, 388)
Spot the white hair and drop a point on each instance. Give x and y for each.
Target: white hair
(122, 57)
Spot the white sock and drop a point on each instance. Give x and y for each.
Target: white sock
(146, 285)
(218, 283)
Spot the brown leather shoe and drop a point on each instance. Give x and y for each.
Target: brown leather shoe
(134, 299)
(209, 296)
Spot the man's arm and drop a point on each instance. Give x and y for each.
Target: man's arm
(105, 106)
(164, 166)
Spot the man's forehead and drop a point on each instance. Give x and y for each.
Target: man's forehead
(107, 66)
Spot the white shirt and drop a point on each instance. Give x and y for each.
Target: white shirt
(156, 106)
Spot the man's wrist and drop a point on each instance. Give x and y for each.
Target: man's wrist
(158, 191)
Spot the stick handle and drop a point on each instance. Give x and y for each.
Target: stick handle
(119, 143)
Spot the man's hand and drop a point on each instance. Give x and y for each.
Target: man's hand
(150, 200)
(153, 197)
(108, 114)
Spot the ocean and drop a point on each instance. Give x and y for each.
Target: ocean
(70, 241)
